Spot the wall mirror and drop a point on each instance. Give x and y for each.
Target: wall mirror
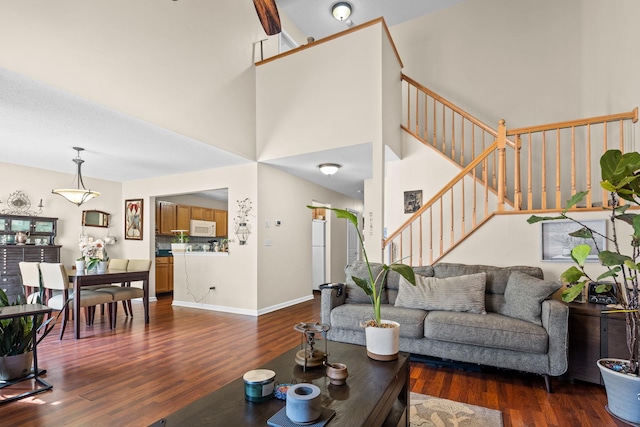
(95, 219)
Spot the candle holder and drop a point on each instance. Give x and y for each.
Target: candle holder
(308, 356)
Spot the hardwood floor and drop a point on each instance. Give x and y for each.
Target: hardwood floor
(140, 373)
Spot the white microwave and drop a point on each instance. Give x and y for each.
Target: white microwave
(201, 228)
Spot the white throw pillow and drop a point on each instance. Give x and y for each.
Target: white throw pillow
(458, 293)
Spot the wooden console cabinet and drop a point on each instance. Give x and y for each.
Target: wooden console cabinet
(592, 336)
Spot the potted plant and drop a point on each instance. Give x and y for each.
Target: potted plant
(16, 341)
(382, 336)
(93, 251)
(180, 241)
(620, 177)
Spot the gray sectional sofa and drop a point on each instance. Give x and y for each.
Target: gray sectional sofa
(494, 316)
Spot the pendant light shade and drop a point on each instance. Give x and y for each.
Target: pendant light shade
(80, 194)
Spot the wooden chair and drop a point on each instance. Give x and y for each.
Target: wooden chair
(55, 277)
(127, 292)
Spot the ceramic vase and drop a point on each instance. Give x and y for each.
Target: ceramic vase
(623, 393)
(102, 266)
(383, 343)
(80, 265)
(337, 373)
(14, 367)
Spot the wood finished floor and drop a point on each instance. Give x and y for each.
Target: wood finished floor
(140, 373)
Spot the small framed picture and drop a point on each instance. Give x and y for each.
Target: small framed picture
(133, 214)
(412, 201)
(557, 244)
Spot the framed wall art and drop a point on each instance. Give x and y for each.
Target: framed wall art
(133, 214)
(557, 243)
(412, 201)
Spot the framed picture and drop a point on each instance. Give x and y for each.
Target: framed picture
(133, 219)
(412, 201)
(557, 243)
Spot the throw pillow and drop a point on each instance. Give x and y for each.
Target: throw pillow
(524, 295)
(460, 293)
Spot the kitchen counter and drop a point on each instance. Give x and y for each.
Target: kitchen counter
(201, 253)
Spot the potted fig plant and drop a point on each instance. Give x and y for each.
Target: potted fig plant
(382, 336)
(620, 177)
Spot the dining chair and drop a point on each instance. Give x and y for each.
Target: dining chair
(127, 292)
(30, 272)
(55, 277)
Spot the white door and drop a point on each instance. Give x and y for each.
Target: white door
(353, 245)
(318, 254)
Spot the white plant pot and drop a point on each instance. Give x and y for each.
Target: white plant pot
(623, 393)
(178, 247)
(102, 266)
(383, 343)
(80, 265)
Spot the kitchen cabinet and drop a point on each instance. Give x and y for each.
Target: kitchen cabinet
(164, 274)
(167, 218)
(183, 217)
(220, 217)
(200, 213)
(209, 214)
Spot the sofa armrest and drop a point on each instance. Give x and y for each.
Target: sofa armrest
(332, 295)
(555, 319)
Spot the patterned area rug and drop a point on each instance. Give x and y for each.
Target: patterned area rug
(428, 411)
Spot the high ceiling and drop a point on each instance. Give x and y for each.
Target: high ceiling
(35, 117)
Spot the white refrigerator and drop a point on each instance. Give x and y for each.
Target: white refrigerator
(318, 253)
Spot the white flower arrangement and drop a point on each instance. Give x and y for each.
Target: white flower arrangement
(93, 251)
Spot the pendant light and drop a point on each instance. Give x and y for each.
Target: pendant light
(80, 194)
(329, 168)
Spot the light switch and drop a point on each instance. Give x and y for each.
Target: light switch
(267, 242)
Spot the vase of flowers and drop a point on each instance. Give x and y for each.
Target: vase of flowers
(93, 251)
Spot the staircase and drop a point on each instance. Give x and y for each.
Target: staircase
(524, 170)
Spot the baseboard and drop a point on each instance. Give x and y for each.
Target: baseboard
(243, 311)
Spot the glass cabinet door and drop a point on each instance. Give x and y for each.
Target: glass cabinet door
(3, 224)
(43, 226)
(20, 225)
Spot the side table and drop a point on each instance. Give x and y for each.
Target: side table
(592, 336)
(23, 311)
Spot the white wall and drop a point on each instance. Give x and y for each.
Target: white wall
(527, 62)
(38, 183)
(185, 66)
(189, 200)
(284, 267)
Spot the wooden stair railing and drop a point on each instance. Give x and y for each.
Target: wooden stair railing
(554, 161)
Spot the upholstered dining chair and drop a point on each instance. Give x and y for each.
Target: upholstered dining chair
(127, 292)
(30, 272)
(55, 277)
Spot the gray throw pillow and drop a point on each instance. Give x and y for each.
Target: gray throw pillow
(460, 293)
(524, 295)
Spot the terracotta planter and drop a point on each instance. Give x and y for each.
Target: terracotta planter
(623, 393)
(383, 343)
(15, 367)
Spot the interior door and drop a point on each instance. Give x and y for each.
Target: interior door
(353, 246)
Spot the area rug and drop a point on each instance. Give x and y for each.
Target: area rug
(428, 411)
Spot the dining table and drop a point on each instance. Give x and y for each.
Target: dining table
(81, 278)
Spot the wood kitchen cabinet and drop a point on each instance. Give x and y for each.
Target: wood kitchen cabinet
(167, 218)
(183, 217)
(220, 217)
(164, 274)
(200, 213)
(593, 336)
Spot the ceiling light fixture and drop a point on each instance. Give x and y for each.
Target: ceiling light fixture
(80, 194)
(329, 168)
(341, 10)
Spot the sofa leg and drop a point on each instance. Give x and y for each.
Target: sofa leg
(547, 383)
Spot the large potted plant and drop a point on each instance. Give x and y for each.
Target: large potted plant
(621, 178)
(382, 336)
(16, 341)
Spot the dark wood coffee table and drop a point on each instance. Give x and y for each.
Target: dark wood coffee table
(376, 393)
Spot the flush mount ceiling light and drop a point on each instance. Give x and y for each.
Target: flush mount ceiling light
(329, 168)
(80, 194)
(341, 10)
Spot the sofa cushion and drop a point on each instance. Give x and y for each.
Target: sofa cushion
(489, 330)
(461, 293)
(351, 316)
(355, 294)
(497, 277)
(393, 280)
(524, 295)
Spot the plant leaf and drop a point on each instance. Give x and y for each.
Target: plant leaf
(610, 273)
(571, 275)
(363, 284)
(580, 254)
(405, 271)
(611, 259)
(572, 293)
(583, 233)
(575, 199)
(535, 218)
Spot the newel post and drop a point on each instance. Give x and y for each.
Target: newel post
(502, 165)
